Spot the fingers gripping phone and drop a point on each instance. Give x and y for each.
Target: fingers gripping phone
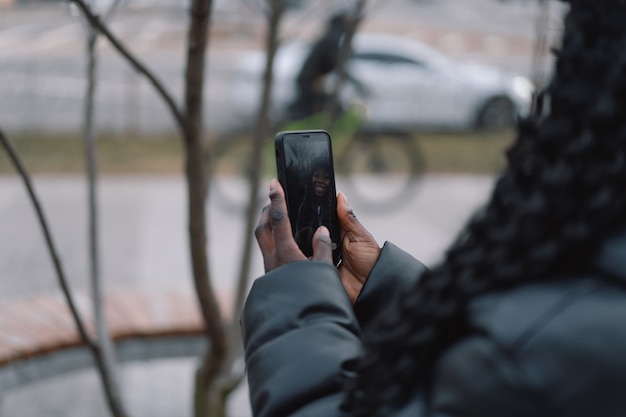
(304, 164)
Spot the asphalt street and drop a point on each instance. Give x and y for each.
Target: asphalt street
(143, 246)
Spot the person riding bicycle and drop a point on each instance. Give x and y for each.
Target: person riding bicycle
(322, 60)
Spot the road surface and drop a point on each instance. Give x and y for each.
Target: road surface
(143, 246)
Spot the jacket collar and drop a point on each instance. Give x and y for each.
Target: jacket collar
(612, 256)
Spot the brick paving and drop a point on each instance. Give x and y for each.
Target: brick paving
(43, 324)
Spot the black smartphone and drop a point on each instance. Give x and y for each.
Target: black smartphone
(304, 164)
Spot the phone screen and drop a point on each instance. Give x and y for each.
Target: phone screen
(306, 172)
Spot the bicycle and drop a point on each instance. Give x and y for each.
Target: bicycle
(381, 169)
(378, 169)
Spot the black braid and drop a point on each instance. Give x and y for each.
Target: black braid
(560, 196)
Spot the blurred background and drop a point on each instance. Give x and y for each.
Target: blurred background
(42, 46)
(445, 81)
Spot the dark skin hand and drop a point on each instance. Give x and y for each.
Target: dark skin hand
(360, 250)
(278, 247)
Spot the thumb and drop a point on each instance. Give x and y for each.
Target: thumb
(322, 245)
(352, 231)
(347, 219)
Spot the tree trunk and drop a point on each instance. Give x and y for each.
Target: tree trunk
(190, 123)
(215, 359)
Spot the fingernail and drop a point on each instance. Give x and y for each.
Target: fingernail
(324, 231)
(273, 183)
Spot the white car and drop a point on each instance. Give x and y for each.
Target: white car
(410, 86)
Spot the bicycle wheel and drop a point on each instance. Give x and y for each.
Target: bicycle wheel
(381, 170)
(229, 168)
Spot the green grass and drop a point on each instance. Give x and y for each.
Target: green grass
(116, 154)
(476, 153)
(443, 152)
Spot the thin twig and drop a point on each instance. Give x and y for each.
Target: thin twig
(169, 100)
(277, 8)
(21, 169)
(93, 346)
(105, 343)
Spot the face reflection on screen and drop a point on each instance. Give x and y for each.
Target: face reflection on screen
(310, 186)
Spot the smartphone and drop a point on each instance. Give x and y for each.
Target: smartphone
(304, 165)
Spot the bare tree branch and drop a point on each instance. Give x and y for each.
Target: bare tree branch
(194, 146)
(261, 131)
(22, 171)
(190, 124)
(104, 339)
(95, 22)
(114, 404)
(208, 398)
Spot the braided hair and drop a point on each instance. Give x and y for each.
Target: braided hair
(560, 196)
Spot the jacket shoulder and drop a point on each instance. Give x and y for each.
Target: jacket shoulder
(544, 349)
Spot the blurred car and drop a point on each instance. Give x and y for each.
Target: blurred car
(409, 86)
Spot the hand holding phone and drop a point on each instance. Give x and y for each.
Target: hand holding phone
(306, 172)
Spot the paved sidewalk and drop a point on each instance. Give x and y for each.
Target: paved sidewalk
(143, 246)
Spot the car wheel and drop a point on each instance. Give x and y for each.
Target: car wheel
(496, 113)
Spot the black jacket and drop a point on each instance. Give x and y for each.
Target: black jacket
(549, 349)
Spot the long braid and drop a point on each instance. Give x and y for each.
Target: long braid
(561, 194)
